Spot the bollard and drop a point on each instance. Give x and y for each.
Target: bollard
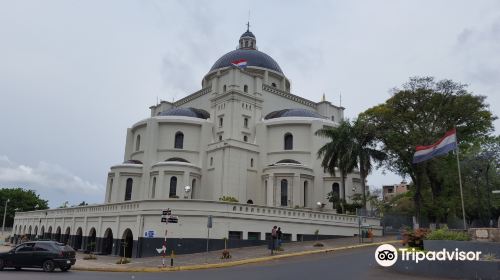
(172, 258)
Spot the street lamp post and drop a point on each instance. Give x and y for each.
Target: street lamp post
(4, 215)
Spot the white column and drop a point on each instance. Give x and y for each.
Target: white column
(160, 185)
(185, 183)
(270, 190)
(295, 199)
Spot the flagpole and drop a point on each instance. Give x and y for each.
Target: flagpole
(460, 181)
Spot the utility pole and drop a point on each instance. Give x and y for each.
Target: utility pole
(4, 215)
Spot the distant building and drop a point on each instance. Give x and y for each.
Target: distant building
(390, 191)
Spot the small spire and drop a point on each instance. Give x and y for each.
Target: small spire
(248, 26)
(324, 98)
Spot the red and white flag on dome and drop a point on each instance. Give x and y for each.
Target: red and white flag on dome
(240, 63)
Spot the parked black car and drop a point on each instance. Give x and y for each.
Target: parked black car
(45, 254)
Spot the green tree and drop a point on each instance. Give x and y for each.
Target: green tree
(20, 199)
(419, 114)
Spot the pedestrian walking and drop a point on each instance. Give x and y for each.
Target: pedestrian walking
(279, 235)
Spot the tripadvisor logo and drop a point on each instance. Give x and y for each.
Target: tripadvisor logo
(386, 255)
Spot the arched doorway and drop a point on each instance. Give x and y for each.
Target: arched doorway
(29, 233)
(335, 194)
(35, 233)
(66, 235)
(306, 192)
(42, 232)
(107, 246)
(49, 233)
(57, 237)
(127, 243)
(78, 239)
(284, 192)
(91, 245)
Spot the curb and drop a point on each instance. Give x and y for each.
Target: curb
(228, 264)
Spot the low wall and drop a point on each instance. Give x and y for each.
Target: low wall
(485, 234)
(243, 224)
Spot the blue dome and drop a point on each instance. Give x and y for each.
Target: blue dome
(186, 112)
(293, 113)
(253, 58)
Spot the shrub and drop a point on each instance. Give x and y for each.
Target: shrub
(228, 199)
(446, 234)
(318, 244)
(414, 238)
(225, 254)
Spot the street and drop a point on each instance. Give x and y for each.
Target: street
(348, 264)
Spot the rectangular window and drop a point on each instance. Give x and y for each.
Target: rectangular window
(235, 235)
(221, 121)
(253, 235)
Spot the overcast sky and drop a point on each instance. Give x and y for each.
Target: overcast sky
(74, 75)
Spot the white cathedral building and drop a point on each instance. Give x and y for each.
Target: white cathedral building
(244, 136)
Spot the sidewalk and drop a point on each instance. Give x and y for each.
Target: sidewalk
(213, 260)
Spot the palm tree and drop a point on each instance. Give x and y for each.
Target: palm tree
(350, 145)
(338, 152)
(365, 151)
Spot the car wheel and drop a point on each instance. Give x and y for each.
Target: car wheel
(65, 268)
(2, 264)
(48, 266)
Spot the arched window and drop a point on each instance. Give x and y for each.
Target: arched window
(251, 162)
(173, 187)
(245, 138)
(246, 43)
(265, 191)
(284, 192)
(224, 88)
(153, 188)
(245, 88)
(288, 139)
(273, 84)
(138, 143)
(245, 122)
(333, 118)
(128, 189)
(110, 189)
(336, 190)
(211, 161)
(306, 186)
(193, 188)
(220, 137)
(179, 140)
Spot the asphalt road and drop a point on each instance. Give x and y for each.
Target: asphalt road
(349, 264)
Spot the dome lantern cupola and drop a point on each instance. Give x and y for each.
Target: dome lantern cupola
(247, 40)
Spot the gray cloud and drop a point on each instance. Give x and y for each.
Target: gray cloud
(49, 180)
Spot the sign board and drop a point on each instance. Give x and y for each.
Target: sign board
(149, 234)
(173, 220)
(209, 221)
